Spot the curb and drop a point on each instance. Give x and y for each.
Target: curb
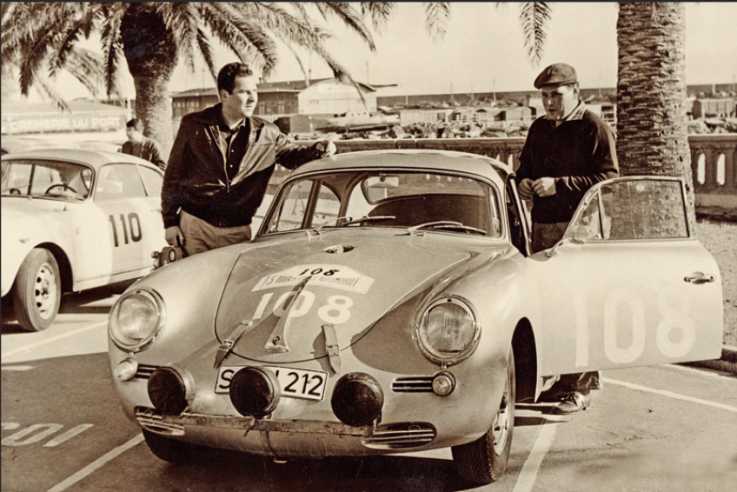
(727, 363)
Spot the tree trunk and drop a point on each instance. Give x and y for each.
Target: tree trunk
(151, 53)
(652, 136)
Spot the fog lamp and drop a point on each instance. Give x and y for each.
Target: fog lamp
(126, 370)
(443, 383)
(357, 399)
(167, 389)
(255, 391)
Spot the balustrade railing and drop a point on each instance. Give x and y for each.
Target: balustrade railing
(713, 159)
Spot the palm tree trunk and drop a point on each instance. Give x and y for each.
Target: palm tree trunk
(151, 53)
(652, 137)
(153, 107)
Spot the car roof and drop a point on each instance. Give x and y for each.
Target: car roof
(412, 159)
(93, 158)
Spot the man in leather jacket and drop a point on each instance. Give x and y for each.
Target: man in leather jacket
(220, 164)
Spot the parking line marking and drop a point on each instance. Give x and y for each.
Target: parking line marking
(670, 394)
(528, 474)
(24, 348)
(87, 470)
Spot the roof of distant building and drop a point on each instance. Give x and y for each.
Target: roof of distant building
(283, 86)
(51, 108)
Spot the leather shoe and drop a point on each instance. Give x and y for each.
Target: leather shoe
(574, 402)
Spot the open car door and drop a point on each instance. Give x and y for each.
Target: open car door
(628, 285)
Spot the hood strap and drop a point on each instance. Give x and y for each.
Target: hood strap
(331, 346)
(227, 345)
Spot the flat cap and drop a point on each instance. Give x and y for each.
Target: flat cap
(556, 74)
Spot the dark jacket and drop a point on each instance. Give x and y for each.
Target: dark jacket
(578, 153)
(196, 179)
(148, 149)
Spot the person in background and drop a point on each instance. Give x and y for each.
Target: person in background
(140, 146)
(220, 164)
(567, 150)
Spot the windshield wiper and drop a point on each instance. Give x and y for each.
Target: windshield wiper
(444, 224)
(368, 219)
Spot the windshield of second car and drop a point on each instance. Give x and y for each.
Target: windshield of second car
(46, 179)
(442, 202)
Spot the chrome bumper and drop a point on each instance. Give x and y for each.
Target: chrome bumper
(388, 436)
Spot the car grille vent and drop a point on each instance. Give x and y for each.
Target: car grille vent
(145, 371)
(151, 420)
(416, 384)
(400, 436)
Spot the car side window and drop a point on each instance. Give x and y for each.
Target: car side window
(634, 209)
(152, 180)
(293, 207)
(119, 181)
(326, 208)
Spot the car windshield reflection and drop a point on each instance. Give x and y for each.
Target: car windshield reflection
(46, 179)
(387, 200)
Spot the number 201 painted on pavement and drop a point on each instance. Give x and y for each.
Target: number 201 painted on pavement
(136, 233)
(336, 311)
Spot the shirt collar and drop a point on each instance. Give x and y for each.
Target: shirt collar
(224, 126)
(576, 114)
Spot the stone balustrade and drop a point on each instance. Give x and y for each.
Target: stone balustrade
(713, 159)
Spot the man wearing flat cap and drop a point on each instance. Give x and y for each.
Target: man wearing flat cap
(567, 150)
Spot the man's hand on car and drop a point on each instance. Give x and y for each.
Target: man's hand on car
(326, 148)
(544, 186)
(174, 236)
(525, 189)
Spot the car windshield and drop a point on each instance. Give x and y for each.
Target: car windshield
(46, 179)
(409, 200)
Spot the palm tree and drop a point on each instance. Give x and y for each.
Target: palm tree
(152, 37)
(652, 133)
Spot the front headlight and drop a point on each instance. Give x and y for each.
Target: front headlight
(136, 319)
(448, 330)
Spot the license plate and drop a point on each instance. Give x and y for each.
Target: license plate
(295, 383)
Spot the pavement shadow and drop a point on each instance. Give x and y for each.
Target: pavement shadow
(93, 301)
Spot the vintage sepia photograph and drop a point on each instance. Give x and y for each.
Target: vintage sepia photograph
(368, 246)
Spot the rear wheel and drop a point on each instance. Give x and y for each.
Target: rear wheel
(37, 290)
(485, 460)
(167, 449)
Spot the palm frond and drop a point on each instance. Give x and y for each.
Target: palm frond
(352, 18)
(378, 12)
(112, 50)
(534, 16)
(70, 33)
(206, 50)
(182, 18)
(242, 35)
(87, 67)
(45, 88)
(437, 15)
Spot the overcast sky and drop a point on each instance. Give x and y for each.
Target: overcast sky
(483, 50)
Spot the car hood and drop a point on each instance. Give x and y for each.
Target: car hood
(290, 289)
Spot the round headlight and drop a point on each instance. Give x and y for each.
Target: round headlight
(448, 330)
(135, 320)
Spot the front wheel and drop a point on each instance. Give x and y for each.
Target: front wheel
(37, 290)
(168, 449)
(485, 460)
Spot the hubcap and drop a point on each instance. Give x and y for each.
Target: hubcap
(44, 291)
(500, 428)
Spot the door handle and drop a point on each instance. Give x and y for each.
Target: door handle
(699, 278)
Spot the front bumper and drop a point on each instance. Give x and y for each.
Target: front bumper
(287, 438)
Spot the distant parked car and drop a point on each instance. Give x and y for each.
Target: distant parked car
(72, 220)
(390, 303)
(97, 145)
